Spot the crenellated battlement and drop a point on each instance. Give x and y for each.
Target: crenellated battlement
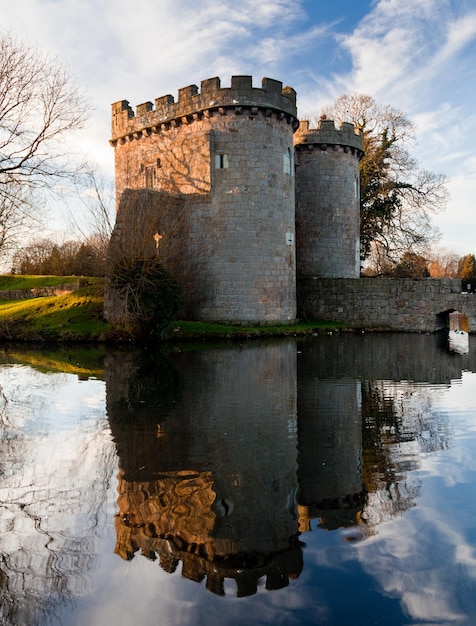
(192, 104)
(327, 133)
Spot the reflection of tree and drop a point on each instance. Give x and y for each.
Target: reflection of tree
(48, 527)
(3, 409)
(397, 426)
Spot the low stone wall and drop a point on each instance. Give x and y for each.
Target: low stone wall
(38, 292)
(410, 305)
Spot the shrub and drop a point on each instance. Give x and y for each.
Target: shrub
(151, 297)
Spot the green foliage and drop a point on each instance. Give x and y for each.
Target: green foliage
(379, 197)
(181, 330)
(411, 265)
(396, 196)
(151, 295)
(76, 318)
(83, 360)
(467, 267)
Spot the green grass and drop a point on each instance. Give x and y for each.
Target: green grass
(78, 317)
(181, 330)
(83, 361)
(13, 281)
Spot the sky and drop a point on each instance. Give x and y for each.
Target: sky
(418, 56)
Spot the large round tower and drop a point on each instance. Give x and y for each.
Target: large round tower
(218, 170)
(327, 200)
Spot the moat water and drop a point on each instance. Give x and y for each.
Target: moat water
(327, 481)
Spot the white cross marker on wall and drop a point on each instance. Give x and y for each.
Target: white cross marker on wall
(157, 238)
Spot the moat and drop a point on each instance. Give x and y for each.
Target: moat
(327, 480)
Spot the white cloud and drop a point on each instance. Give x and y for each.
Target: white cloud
(416, 55)
(460, 33)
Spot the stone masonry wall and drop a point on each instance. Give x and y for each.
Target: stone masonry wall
(38, 292)
(327, 200)
(192, 103)
(176, 160)
(228, 152)
(410, 305)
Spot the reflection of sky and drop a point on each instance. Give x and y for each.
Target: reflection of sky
(417, 568)
(56, 458)
(427, 558)
(48, 401)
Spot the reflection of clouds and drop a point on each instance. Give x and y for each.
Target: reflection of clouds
(419, 551)
(52, 486)
(461, 395)
(74, 389)
(138, 589)
(38, 401)
(413, 559)
(427, 558)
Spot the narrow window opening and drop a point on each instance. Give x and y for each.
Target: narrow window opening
(150, 177)
(287, 161)
(221, 161)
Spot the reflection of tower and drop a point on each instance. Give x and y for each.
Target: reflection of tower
(210, 479)
(330, 443)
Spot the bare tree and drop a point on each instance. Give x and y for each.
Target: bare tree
(33, 258)
(46, 256)
(443, 264)
(397, 196)
(40, 105)
(377, 262)
(16, 220)
(93, 225)
(144, 268)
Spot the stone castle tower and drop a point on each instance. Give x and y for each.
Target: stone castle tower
(328, 200)
(236, 203)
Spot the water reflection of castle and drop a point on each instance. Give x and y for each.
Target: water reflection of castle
(226, 456)
(210, 479)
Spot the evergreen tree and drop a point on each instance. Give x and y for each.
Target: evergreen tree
(467, 267)
(396, 196)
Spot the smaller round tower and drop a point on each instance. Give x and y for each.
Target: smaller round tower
(327, 200)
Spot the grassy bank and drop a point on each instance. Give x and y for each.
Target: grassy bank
(77, 316)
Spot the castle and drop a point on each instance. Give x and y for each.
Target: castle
(238, 198)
